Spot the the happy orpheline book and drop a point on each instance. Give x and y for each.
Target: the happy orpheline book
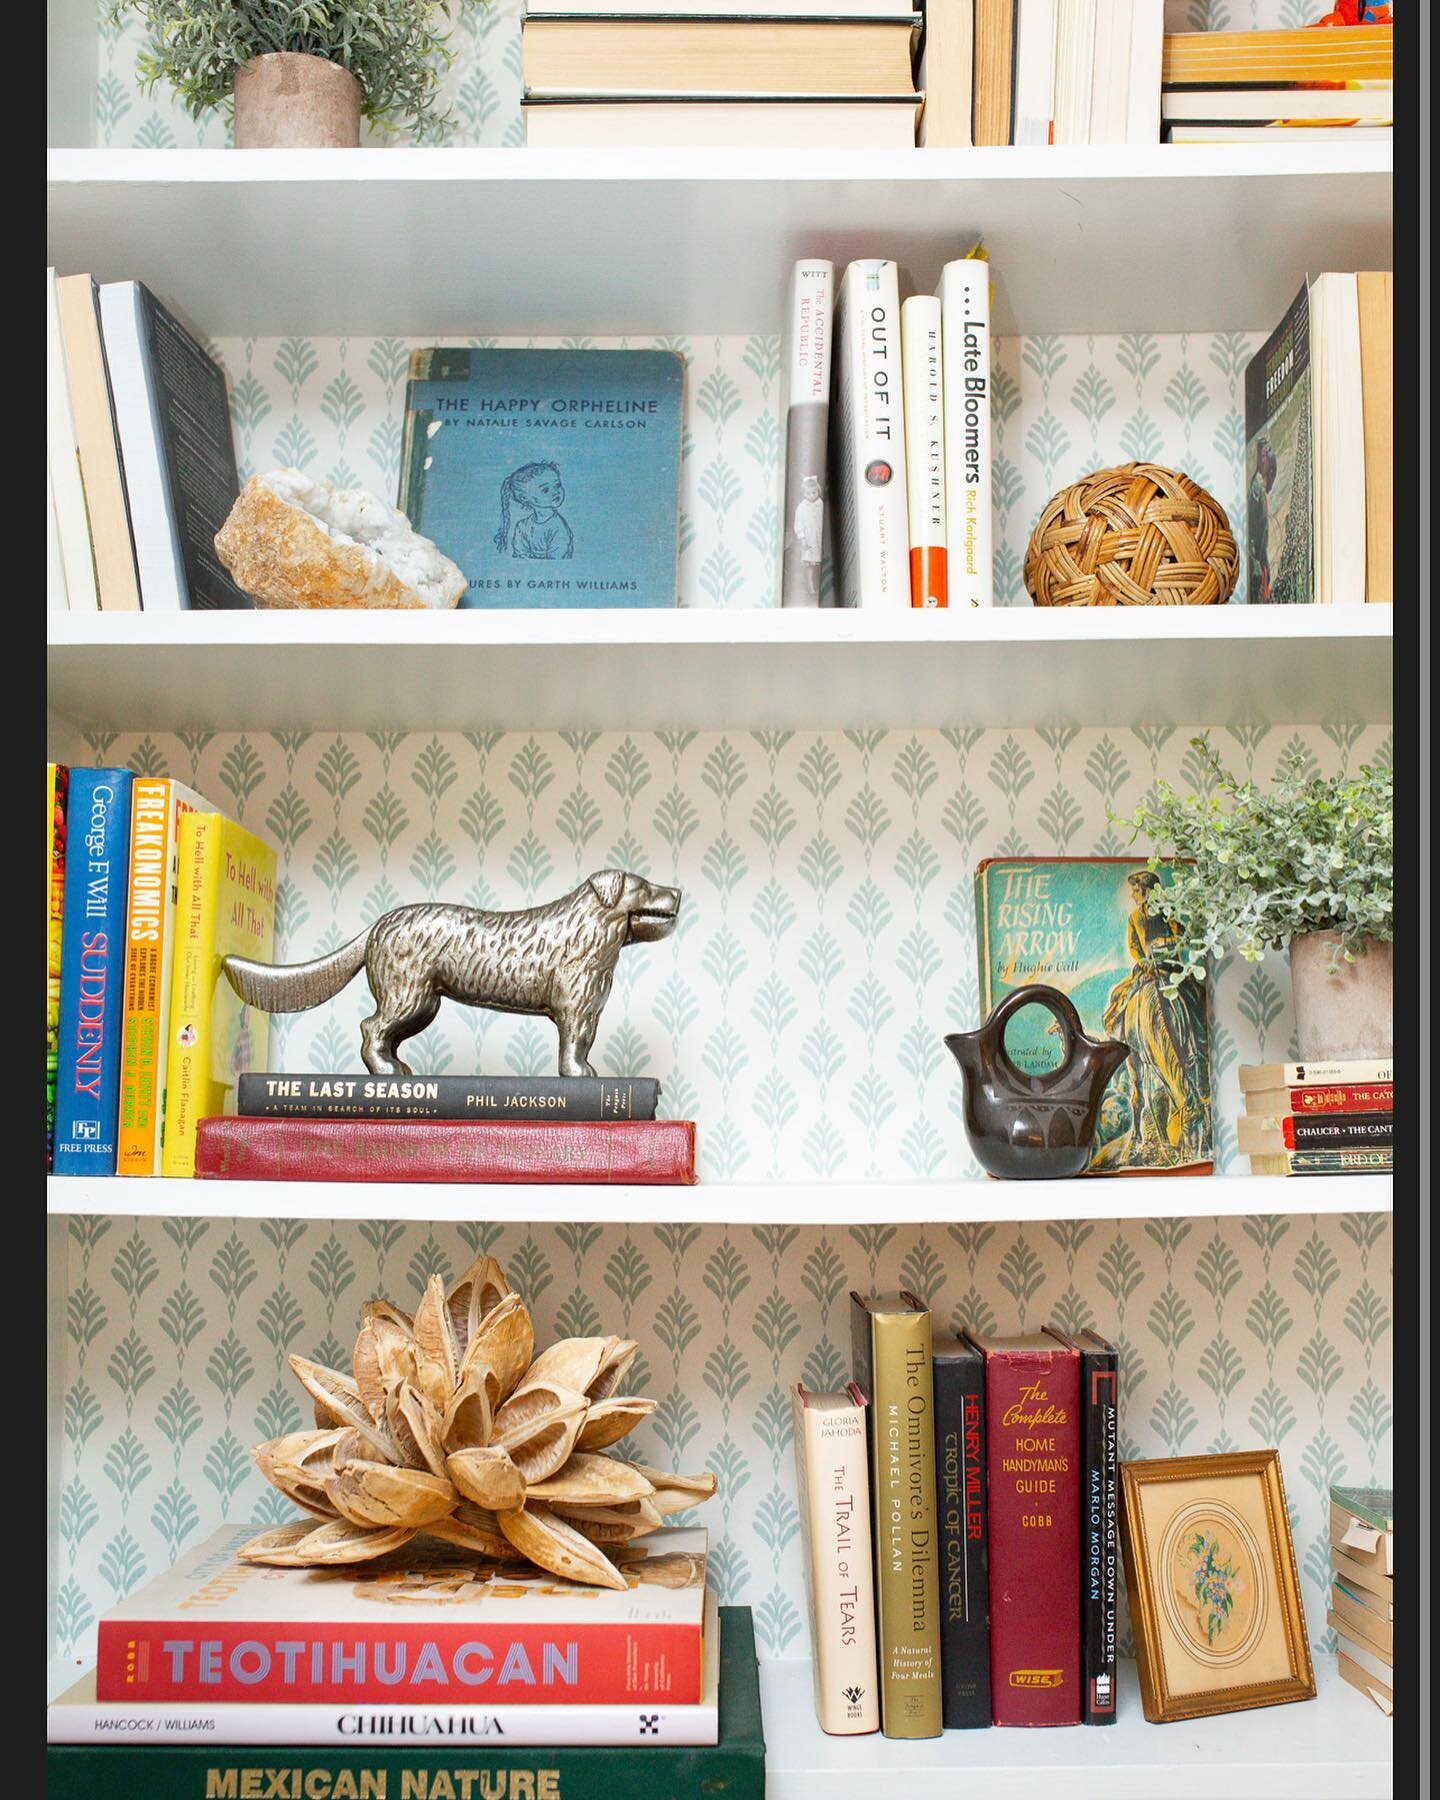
(551, 476)
(1083, 925)
(1279, 477)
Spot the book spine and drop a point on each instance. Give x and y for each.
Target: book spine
(1032, 1456)
(72, 519)
(872, 529)
(1099, 1531)
(191, 986)
(964, 1541)
(965, 343)
(256, 1661)
(832, 1483)
(922, 367)
(92, 962)
(561, 1099)
(1339, 1133)
(907, 1574)
(1324, 1162)
(1355, 1097)
(1335, 1074)
(57, 786)
(155, 809)
(805, 370)
(658, 1152)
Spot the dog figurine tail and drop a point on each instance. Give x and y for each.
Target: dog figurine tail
(296, 987)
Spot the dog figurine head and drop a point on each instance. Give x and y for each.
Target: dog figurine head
(649, 911)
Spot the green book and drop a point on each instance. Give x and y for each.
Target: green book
(733, 1769)
(1372, 1506)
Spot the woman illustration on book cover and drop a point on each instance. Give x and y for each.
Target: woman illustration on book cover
(1168, 1071)
(532, 527)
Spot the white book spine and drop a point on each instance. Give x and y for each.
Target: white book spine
(833, 1485)
(969, 479)
(922, 362)
(1074, 69)
(1035, 72)
(1147, 50)
(867, 446)
(153, 526)
(805, 418)
(72, 521)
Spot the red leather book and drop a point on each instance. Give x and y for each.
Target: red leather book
(650, 1151)
(1032, 1453)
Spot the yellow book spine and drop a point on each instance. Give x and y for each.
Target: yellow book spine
(190, 986)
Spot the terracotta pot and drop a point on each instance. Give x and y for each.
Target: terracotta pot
(1349, 1014)
(291, 102)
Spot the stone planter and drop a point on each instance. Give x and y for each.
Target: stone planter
(1347, 1015)
(291, 102)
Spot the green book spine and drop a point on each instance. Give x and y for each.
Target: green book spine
(733, 1769)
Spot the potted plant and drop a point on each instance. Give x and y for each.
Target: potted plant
(1308, 864)
(301, 73)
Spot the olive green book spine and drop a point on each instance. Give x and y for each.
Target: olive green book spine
(894, 1371)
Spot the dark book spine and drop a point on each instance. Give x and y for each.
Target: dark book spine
(1340, 1132)
(1099, 1529)
(581, 1099)
(964, 1541)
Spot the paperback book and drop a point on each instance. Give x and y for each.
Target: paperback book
(1279, 477)
(57, 784)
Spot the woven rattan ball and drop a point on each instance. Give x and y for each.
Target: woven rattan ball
(1138, 535)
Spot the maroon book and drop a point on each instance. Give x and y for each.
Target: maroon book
(650, 1151)
(1032, 1453)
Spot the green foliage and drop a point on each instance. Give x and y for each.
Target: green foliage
(395, 49)
(1313, 854)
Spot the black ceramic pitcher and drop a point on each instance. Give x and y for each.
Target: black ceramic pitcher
(1033, 1127)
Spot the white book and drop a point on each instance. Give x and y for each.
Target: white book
(1110, 73)
(876, 122)
(76, 1717)
(805, 419)
(923, 366)
(55, 597)
(1074, 69)
(62, 453)
(154, 529)
(1338, 433)
(1147, 50)
(1224, 106)
(1034, 71)
(726, 9)
(870, 520)
(1276, 134)
(969, 479)
(833, 1488)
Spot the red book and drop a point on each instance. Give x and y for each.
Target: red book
(420, 1625)
(1032, 1453)
(1342, 1097)
(615, 1152)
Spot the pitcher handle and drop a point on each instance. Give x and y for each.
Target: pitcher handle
(1060, 1007)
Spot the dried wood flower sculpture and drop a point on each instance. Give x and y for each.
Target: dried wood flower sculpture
(449, 1426)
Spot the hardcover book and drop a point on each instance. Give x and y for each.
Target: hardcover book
(62, 461)
(890, 1345)
(832, 1486)
(79, 302)
(1279, 478)
(923, 366)
(969, 477)
(964, 1533)
(226, 906)
(424, 1620)
(157, 805)
(1083, 925)
(92, 967)
(551, 476)
(1032, 1399)
(1099, 1521)
(870, 522)
(562, 1097)
(57, 784)
(805, 413)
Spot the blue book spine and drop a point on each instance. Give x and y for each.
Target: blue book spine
(92, 972)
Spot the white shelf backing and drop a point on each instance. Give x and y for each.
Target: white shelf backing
(784, 1203)
(1335, 1747)
(754, 669)
(430, 241)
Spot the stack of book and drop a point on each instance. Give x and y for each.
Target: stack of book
(800, 74)
(1361, 1612)
(1318, 1118)
(960, 1506)
(140, 461)
(427, 1673)
(1319, 449)
(1041, 72)
(1239, 87)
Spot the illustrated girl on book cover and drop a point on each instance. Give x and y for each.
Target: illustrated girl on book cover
(532, 525)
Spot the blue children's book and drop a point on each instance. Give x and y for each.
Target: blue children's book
(92, 972)
(551, 476)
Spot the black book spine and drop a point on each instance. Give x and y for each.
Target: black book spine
(964, 1540)
(1339, 1131)
(1099, 1526)
(580, 1099)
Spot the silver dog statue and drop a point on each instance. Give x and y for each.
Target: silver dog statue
(557, 959)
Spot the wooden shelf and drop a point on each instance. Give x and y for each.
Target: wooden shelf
(755, 669)
(421, 242)
(1336, 1747)
(786, 1203)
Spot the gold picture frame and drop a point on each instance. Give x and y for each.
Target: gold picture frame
(1214, 1593)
